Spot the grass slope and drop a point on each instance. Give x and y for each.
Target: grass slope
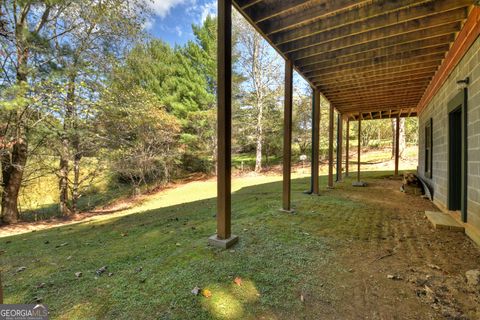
(278, 256)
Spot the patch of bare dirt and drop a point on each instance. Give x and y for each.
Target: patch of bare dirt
(402, 268)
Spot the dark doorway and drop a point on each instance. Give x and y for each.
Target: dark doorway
(455, 160)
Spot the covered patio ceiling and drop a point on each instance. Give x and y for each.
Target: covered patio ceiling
(369, 58)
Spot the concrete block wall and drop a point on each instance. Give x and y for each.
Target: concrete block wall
(437, 109)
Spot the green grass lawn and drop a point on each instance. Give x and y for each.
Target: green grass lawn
(277, 256)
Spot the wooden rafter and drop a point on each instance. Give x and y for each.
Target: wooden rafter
(382, 26)
(372, 56)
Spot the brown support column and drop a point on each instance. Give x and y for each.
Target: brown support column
(397, 144)
(316, 141)
(224, 238)
(330, 148)
(347, 147)
(339, 147)
(287, 136)
(359, 145)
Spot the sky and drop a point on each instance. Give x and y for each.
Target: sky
(172, 19)
(172, 22)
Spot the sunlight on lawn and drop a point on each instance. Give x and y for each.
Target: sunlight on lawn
(228, 303)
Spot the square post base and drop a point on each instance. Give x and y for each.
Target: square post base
(222, 243)
(359, 184)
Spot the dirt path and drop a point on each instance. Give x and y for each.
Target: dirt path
(428, 266)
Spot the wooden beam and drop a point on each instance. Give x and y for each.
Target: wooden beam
(341, 19)
(376, 107)
(403, 115)
(376, 81)
(351, 61)
(436, 12)
(394, 38)
(224, 119)
(369, 70)
(347, 147)
(355, 110)
(243, 4)
(359, 145)
(339, 146)
(287, 136)
(316, 142)
(397, 143)
(330, 147)
(469, 33)
(376, 48)
(264, 11)
(376, 87)
(370, 74)
(382, 64)
(316, 9)
(351, 108)
(393, 96)
(389, 96)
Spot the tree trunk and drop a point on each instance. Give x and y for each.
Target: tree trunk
(76, 183)
(63, 176)
(12, 169)
(13, 163)
(402, 142)
(64, 154)
(259, 133)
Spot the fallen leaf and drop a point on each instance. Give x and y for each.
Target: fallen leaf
(206, 293)
(78, 274)
(41, 285)
(302, 298)
(238, 281)
(394, 277)
(124, 234)
(196, 291)
(20, 269)
(61, 245)
(101, 270)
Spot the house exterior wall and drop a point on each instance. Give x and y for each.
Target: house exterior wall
(437, 109)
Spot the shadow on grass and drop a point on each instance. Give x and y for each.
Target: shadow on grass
(158, 256)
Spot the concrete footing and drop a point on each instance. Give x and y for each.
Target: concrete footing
(442, 220)
(222, 243)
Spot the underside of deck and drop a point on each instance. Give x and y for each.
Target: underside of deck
(372, 56)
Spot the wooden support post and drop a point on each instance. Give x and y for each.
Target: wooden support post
(315, 141)
(330, 147)
(224, 238)
(347, 147)
(339, 147)
(359, 145)
(287, 136)
(397, 144)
